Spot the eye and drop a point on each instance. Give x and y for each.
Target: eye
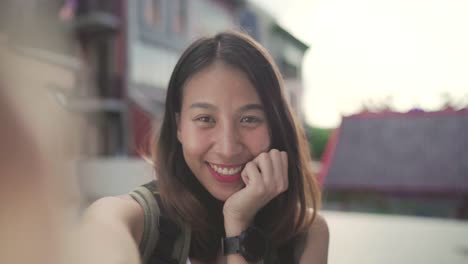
(205, 119)
(251, 119)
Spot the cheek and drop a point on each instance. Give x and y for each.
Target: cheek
(258, 140)
(194, 141)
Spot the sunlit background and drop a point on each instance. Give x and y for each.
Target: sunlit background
(406, 54)
(381, 88)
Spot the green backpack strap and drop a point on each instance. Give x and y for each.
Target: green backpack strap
(157, 226)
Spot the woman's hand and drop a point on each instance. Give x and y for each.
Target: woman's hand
(265, 178)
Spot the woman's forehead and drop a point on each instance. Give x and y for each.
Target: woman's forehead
(219, 83)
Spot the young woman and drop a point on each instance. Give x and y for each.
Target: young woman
(232, 164)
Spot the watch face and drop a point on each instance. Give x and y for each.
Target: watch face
(253, 244)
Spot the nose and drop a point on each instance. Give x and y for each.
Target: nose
(228, 141)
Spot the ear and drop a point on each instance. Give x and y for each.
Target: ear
(177, 118)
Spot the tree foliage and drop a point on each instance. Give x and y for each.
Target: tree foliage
(318, 138)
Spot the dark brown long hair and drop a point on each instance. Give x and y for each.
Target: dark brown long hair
(283, 217)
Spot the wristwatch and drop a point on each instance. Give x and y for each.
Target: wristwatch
(250, 244)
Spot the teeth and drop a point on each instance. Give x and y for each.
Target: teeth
(226, 171)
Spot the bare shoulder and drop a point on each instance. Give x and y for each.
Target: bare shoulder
(118, 211)
(318, 237)
(109, 231)
(114, 207)
(319, 226)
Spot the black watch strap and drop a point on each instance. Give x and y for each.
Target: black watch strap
(251, 244)
(231, 245)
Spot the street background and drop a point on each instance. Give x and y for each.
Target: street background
(381, 89)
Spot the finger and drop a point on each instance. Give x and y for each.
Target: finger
(250, 174)
(284, 157)
(244, 176)
(277, 165)
(265, 165)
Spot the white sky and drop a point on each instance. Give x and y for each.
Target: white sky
(411, 50)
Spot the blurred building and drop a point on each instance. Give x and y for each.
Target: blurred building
(114, 74)
(408, 163)
(286, 49)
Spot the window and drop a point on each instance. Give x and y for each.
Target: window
(163, 22)
(179, 19)
(153, 13)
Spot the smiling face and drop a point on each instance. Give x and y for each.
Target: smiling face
(221, 126)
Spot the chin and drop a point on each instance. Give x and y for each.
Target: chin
(223, 195)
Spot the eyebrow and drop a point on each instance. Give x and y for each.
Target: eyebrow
(203, 105)
(248, 107)
(212, 107)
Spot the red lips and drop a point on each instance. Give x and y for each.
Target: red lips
(224, 178)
